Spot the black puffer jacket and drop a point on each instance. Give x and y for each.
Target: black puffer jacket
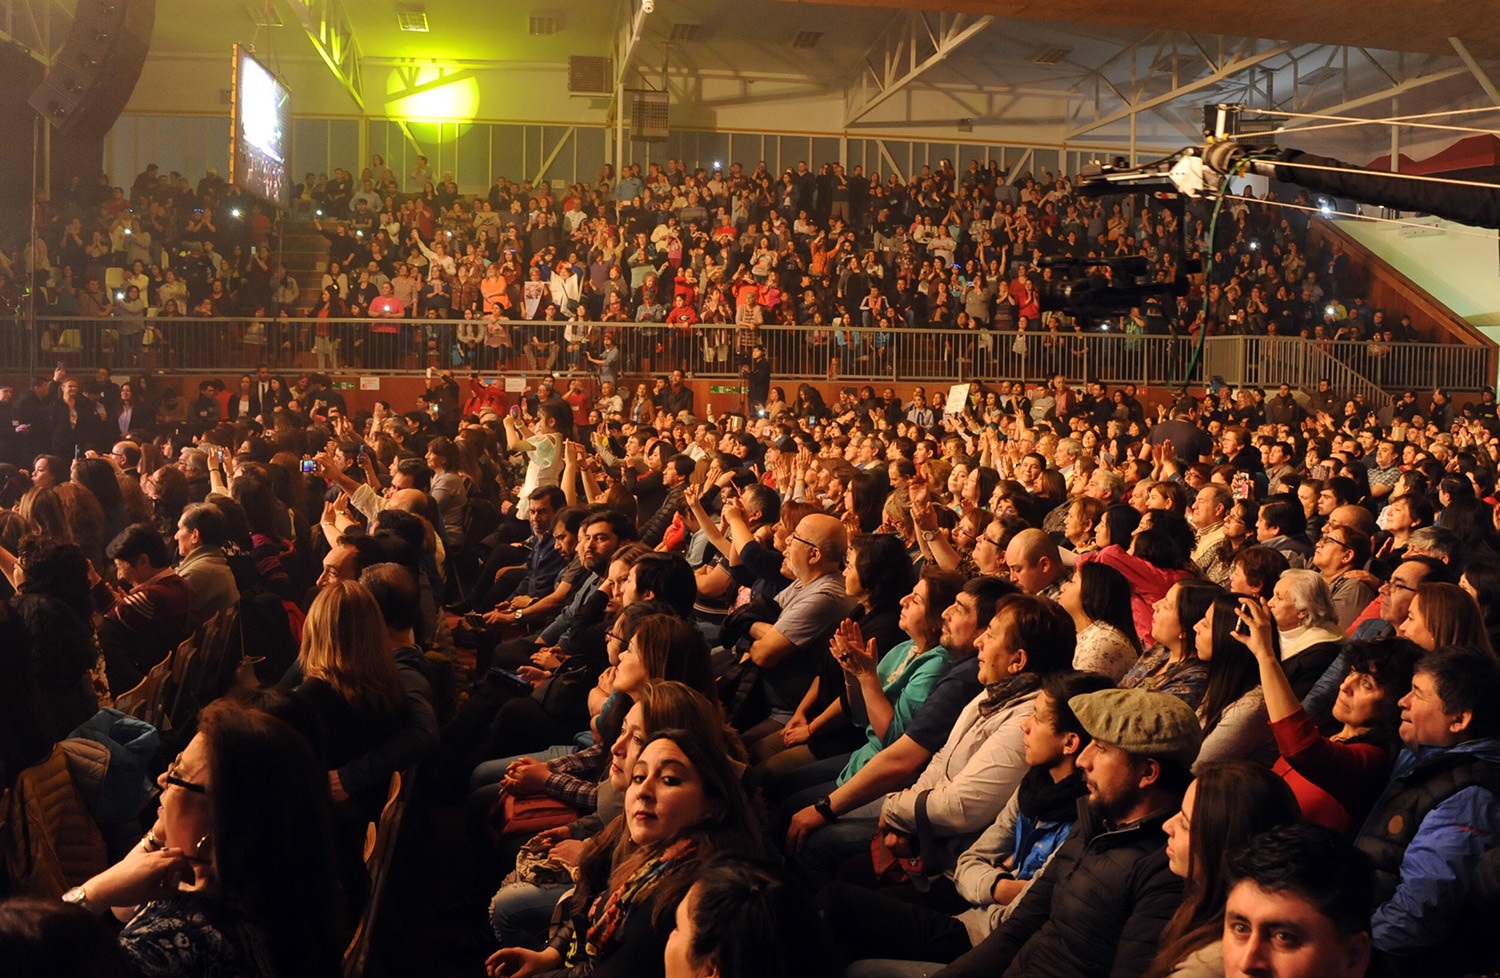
(1096, 911)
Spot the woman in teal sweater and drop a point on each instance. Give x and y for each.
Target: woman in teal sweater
(885, 692)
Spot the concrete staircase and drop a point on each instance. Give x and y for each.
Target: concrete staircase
(305, 253)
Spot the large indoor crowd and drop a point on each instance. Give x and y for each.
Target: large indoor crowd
(1024, 679)
(1004, 680)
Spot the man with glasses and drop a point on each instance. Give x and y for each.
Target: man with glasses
(1396, 593)
(1340, 552)
(127, 455)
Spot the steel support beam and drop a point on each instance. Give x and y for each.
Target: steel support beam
(909, 55)
(332, 36)
(1480, 75)
(1384, 95)
(632, 25)
(542, 170)
(41, 29)
(890, 160)
(1228, 69)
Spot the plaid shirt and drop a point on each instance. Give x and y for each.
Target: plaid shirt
(575, 777)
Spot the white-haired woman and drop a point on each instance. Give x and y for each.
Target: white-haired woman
(1302, 607)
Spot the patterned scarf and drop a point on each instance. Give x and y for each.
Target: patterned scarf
(609, 913)
(997, 695)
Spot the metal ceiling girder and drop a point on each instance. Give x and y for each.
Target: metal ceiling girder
(916, 50)
(41, 32)
(552, 156)
(1480, 75)
(1227, 69)
(332, 35)
(1383, 95)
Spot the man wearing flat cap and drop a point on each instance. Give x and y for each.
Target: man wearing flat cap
(1099, 907)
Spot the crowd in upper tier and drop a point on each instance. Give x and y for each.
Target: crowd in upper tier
(701, 251)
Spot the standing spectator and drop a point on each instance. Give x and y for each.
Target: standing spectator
(757, 375)
(608, 361)
(383, 332)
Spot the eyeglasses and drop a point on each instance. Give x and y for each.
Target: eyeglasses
(1396, 585)
(172, 779)
(804, 541)
(1325, 538)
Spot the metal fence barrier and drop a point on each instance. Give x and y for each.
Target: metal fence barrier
(183, 345)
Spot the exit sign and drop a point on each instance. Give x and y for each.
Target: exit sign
(723, 389)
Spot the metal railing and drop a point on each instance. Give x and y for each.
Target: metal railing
(184, 345)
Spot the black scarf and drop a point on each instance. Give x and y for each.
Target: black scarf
(997, 695)
(1044, 800)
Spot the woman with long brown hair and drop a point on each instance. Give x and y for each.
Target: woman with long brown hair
(684, 805)
(1227, 805)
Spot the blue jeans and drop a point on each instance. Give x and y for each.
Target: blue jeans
(826, 849)
(520, 912)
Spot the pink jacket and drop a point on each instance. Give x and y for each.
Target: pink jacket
(1148, 584)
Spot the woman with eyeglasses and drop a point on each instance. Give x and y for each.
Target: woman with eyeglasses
(236, 877)
(1239, 525)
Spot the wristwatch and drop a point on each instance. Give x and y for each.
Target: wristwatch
(824, 807)
(76, 897)
(516, 615)
(927, 535)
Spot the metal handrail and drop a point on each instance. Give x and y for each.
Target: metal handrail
(858, 354)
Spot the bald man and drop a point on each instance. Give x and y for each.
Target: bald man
(1035, 565)
(788, 649)
(411, 500)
